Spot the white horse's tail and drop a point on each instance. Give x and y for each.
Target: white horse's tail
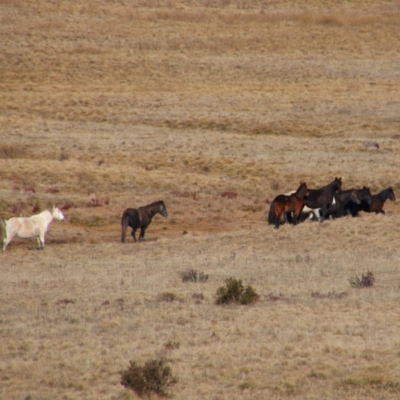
(2, 231)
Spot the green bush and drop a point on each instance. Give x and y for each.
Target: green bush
(155, 376)
(235, 292)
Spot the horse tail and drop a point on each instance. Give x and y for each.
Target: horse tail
(272, 216)
(3, 233)
(124, 226)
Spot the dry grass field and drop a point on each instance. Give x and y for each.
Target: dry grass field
(215, 107)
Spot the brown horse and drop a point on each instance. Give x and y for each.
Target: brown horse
(140, 218)
(284, 203)
(376, 204)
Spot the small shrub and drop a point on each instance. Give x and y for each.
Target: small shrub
(235, 292)
(366, 280)
(329, 295)
(275, 297)
(155, 376)
(229, 194)
(168, 297)
(67, 205)
(171, 345)
(191, 275)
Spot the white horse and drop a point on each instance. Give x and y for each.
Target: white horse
(34, 226)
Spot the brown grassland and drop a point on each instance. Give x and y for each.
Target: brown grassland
(215, 107)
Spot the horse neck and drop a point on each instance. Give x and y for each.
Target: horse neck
(346, 194)
(151, 210)
(384, 195)
(300, 192)
(46, 215)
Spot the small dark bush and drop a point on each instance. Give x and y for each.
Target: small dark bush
(191, 275)
(275, 297)
(154, 376)
(235, 292)
(229, 194)
(168, 297)
(367, 280)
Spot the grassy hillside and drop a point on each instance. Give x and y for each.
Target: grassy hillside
(216, 107)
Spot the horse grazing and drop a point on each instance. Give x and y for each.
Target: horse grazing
(140, 218)
(376, 204)
(283, 203)
(341, 199)
(322, 198)
(34, 226)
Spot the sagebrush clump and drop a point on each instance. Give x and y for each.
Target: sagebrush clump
(235, 292)
(366, 280)
(154, 376)
(192, 275)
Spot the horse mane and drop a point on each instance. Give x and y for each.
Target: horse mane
(152, 204)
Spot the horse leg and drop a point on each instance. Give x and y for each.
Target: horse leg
(123, 233)
(133, 234)
(7, 239)
(316, 213)
(278, 213)
(142, 231)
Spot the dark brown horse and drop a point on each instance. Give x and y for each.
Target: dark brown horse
(322, 198)
(376, 204)
(140, 218)
(338, 209)
(287, 203)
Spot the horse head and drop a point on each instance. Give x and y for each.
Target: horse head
(391, 194)
(163, 210)
(337, 184)
(354, 197)
(57, 214)
(302, 191)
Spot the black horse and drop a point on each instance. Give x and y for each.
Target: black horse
(140, 218)
(364, 196)
(322, 198)
(376, 204)
(342, 199)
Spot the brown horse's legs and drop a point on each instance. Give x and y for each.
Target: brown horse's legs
(279, 210)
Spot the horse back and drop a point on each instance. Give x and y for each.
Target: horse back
(134, 217)
(25, 227)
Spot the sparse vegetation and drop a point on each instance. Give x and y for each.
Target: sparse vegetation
(155, 376)
(168, 297)
(12, 151)
(235, 292)
(367, 280)
(329, 295)
(192, 275)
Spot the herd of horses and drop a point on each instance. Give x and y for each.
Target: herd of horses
(329, 201)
